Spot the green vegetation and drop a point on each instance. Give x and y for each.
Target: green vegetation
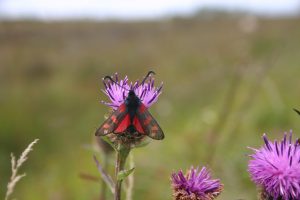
(226, 81)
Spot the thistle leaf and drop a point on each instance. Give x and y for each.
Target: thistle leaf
(124, 173)
(106, 139)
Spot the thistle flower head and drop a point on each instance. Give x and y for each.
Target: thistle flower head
(195, 185)
(276, 168)
(118, 91)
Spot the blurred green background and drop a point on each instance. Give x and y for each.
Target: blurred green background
(228, 78)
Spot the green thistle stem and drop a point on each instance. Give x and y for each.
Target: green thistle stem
(122, 155)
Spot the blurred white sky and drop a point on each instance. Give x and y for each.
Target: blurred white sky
(136, 9)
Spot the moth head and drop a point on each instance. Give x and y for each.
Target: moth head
(131, 93)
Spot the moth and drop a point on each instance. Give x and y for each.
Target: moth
(131, 117)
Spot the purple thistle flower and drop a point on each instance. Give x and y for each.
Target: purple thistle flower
(276, 168)
(117, 93)
(195, 185)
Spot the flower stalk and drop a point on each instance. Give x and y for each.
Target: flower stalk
(122, 154)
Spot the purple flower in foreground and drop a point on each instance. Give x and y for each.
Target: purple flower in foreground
(276, 168)
(195, 185)
(117, 93)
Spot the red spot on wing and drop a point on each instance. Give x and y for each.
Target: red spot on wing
(105, 126)
(123, 125)
(154, 128)
(122, 108)
(114, 119)
(142, 108)
(137, 125)
(147, 120)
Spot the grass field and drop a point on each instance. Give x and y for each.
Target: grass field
(227, 80)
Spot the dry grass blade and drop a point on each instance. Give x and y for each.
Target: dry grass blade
(15, 166)
(89, 177)
(107, 179)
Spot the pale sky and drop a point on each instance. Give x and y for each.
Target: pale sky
(135, 9)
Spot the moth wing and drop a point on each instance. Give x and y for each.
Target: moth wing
(149, 124)
(137, 125)
(113, 121)
(123, 125)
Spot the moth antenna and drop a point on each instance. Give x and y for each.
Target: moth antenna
(115, 82)
(147, 76)
(108, 77)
